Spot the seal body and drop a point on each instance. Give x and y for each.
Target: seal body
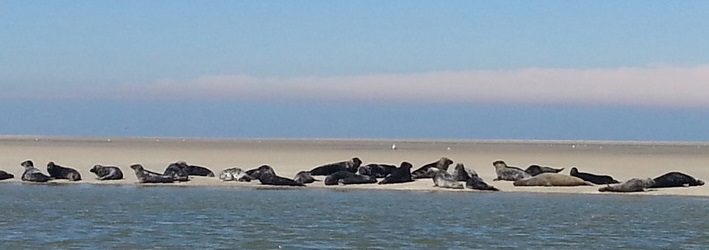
(267, 176)
(195, 170)
(400, 175)
(507, 173)
(58, 172)
(347, 178)
(443, 179)
(552, 180)
(107, 172)
(145, 176)
(632, 185)
(423, 172)
(536, 170)
(477, 183)
(33, 174)
(234, 174)
(328, 169)
(593, 178)
(174, 169)
(5, 175)
(461, 173)
(304, 177)
(376, 170)
(676, 179)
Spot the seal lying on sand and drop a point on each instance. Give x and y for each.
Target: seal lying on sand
(328, 169)
(399, 175)
(107, 172)
(145, 176)
(304, 177)
(506, 173)
(33, 174)
(552, 180)
(195, 170)
(58, 172)
(267, 176)
(175, 170)
(5, 175)
(477, 183)
(676, 179)
(234, 174)
(347, 178)
(443, 179)
(376, 170)
(461, 173)
(595, 179)
(534, 170)
(422, 172)
(632, 185)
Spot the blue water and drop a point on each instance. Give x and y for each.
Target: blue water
(108, 217)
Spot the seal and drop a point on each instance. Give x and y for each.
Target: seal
(234, 174)
(595, 179)
(347, 178)
(267, 176)
(422, 172)
(58, 172)
(552, 180)
(304, 177)
(461, 173)
(507, 173)
(477, 183)
(534, 170)
(33, 174)
(328, 169)
(174, 169)
(676, 179)
(145, 176)
(5, 175)
(632, 185)
(376, 170)
(399, 175)
(443, 179)
(107, 172)
(195, 170)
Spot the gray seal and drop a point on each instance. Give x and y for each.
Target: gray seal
(33, 174)
(194, 169)
(423, 172)
(399, 175)
(461, 173)
(331, 168)
(534, 170)
(234, 174)
(145, 176)
(267, 176)
(5, 175)
(348, 178)
(552, 180)
(676, 179)
(174, 169)
(304, 177)
(443, 179)
(376, 170)
(632, 185)
(58, 172)
(508, 173)
(593, 178)
(477, 183)
(107, 172)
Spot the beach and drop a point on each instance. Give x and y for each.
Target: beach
(622, 160)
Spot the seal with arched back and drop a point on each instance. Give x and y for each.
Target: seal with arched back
(461, 173)
(632, 185)
(675, 179)
(304, 177)
(194, 169)
(536, 170)
(423, 172)
(58, 172)
(174, 169)
(552, 180)
(107, 172)
(267, 176)
(330, 168)
(33, 174)
(593, 178)
(145, 176)
(399, 175)
(508, 173)
(376, 170)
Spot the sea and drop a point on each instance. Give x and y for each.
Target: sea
(86, 216)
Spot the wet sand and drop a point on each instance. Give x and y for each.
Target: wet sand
(622, 160)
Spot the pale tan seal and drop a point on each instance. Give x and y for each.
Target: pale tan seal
(552, 180)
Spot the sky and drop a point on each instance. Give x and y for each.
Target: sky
(519, 70)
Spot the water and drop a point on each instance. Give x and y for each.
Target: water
(132, 217)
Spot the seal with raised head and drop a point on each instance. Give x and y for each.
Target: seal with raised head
(234, 174)
(399, 175)
(330, 168)
(33, 174)
(507, 173)
(423, 172)
(552, 180)
(675, 179)
(347, 178)
(461, 173)
(174, 169)
(477, 183)
(304, 177)
(593, 178)
(195, 170)
(58, 172)
(267, 176)
(5, 175)
(632, 185)
(376, 170)
(145, 176)
(534, 170)
(107, 172)
(443, 179)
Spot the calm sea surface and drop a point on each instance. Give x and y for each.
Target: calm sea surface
(110, 217)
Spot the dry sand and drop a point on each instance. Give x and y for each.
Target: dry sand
(622, 160)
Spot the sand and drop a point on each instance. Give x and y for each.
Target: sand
(622, 160)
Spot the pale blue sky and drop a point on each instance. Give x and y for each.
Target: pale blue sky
(599, 70)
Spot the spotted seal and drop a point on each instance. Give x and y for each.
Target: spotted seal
(675, 179)
(399, 175)
(443, 179)
(376, 170)
(347, 178)
(5, 175)
(195, 170)
(174, 169)
(106, 172)
(145, 176)
(632, 185)
(267, 176)
(534, 170)
(593, 178)
(552, 180)
(461, 173)
(508, 173)
(328, 169)
(33, 174)
(304, 177)
(234, 174)
(58, 172)
(423, 172)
